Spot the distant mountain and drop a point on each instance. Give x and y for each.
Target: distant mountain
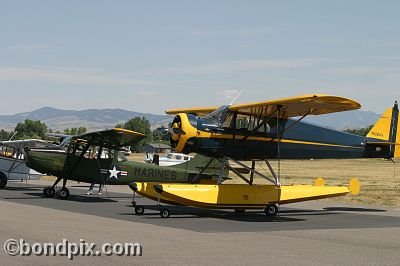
(98, 119)
(92, 119)
(345, 120)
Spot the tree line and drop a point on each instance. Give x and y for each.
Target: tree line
(35, 129)
(360, 131)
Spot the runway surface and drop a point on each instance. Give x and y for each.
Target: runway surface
(313, 233)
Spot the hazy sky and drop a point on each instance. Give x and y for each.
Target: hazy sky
(148, 56)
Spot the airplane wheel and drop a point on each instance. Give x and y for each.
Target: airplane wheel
(165, 213)
(3, 180)
(63, 193)
(271, 210)
(240, 210)
(49, 192)
(139, 210)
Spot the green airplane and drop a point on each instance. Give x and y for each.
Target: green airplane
(95, 158)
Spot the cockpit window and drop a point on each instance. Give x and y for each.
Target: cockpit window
(219, 116)
(121, 157)
(249, 123)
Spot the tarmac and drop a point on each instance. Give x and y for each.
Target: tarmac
(309, 233)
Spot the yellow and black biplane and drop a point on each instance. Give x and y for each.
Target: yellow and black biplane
(262, 131)
(267, 130)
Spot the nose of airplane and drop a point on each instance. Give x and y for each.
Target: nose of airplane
(183, 128)
(176, 131)
(31, 160)
(38, 161)
(28, 158)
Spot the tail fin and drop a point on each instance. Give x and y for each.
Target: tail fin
(387, 129)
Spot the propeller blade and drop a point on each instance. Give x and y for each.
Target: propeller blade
(176, 131)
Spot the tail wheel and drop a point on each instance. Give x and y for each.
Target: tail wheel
(49, 192)
(63, 193)
(271, 210)
(165, 213)
(3, 180)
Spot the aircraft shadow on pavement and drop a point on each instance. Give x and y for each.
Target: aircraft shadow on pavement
(81, 198)
(353, 209)
(22, 188)
(74, 198)
(184, 212)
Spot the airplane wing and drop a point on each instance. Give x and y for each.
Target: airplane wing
(313, 104)
(198, 111)
(113, 138)
(21, 144)
(57, 135)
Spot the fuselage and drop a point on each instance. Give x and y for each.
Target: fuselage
(285, 139)
(107, 170)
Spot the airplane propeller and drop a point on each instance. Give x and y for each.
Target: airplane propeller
(176, 131)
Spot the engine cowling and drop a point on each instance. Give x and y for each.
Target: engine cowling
(183, 132)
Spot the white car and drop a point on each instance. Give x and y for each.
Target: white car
(170, 159)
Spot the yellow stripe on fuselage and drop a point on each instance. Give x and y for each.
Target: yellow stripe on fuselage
(207, 135)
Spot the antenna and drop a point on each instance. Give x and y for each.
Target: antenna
(237, 96)
(13, 135)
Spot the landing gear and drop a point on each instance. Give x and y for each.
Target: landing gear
(164, 213)
(3, 180)
(139, 210)
(271, 210)
(63, 193)
(49, 192)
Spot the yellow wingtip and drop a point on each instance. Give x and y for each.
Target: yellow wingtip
(354, 186)
(128, 131)
(319, 182)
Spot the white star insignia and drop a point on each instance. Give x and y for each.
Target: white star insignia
(114, 173)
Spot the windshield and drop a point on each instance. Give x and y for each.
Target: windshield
(121, 157)
(218, 116)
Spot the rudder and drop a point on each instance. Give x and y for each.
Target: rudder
(386, 129)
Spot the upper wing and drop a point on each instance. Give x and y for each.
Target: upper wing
(113, 138)
(313, 104)
(57, 135)
(31, 143)
(198, 111)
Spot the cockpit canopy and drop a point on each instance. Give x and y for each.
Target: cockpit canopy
(218, 117)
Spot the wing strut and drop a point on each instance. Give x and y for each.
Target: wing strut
(254, 171)
(265, 121)
(221, 173)
(201, 172)
(278, 136)
(283, 131)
